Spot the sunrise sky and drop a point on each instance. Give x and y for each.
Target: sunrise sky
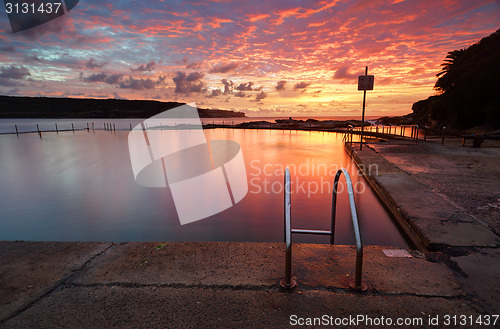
(266, 58)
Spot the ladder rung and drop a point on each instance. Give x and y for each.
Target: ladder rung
(319, 232)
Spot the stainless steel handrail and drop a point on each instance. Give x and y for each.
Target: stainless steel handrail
(357, 284)
(288, 282)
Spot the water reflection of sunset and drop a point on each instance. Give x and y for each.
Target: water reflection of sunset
(58, 197)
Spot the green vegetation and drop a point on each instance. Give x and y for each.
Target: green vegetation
(468, 88)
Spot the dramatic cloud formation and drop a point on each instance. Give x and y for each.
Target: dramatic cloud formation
(137, 84)
(280, 85)
(146, 68)
(14, 72)
(93, 64)
(215, 93)
(260, 96)
(228, 86)
(214, 48)
(224, 68)
(246, 87)
(185, 84)
(344, 74)
(103, 77)
(301, 85)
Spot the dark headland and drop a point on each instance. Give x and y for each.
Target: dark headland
(52, 108)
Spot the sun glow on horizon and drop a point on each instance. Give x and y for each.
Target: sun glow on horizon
(275, 59)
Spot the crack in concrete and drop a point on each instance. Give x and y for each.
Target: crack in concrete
(302, 288)
(57, 286)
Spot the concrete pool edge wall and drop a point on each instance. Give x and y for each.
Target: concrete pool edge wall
(412, 232)
(428, 218)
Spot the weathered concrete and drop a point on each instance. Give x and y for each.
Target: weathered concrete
(188, 285)
(429, 215)
(29, 270)
(483, 271)
(467, 178)
(448, 197)
(261, 265)
(197, 307)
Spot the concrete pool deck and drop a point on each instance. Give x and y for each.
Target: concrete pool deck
(233, 285)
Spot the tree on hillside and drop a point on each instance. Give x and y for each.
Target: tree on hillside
(468, 87)
(450, 70)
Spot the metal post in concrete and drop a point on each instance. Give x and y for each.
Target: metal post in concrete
(363, 114)
(288, 282)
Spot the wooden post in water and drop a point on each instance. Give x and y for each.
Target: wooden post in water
(17, 131)
(130, 126)
(57, 130)
(442, 138)
(416, 134)
(425, 133)
(39, 131)
(72, 127)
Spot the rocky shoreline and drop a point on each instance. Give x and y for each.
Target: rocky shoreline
(291, 124)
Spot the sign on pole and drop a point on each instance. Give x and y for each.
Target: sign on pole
(365, 82)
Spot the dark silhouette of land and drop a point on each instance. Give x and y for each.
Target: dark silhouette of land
(467, 88)
(46, 107)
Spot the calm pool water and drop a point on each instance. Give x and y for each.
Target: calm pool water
(80, 187)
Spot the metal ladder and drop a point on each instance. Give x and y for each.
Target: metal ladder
(288, 281)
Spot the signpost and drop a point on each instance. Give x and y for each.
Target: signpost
(365, 82)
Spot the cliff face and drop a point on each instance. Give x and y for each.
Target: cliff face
(46, 107)
(468, 88)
